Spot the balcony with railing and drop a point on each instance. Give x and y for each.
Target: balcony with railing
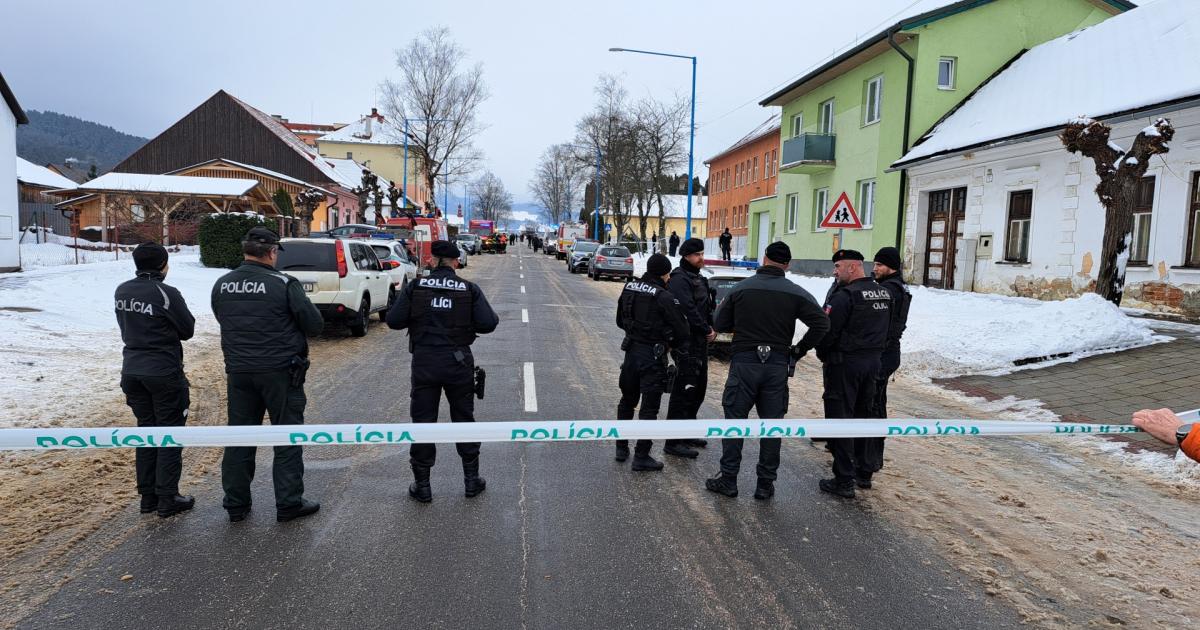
(808, 153)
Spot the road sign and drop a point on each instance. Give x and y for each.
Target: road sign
(607, 227)
(842, 215)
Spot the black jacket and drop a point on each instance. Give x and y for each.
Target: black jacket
(649, 313)
(859, 317)
(763, 309)
(691, 289)
(725, 240)
(265, 318)
(901, 299)
(433, 329)
(154, 319)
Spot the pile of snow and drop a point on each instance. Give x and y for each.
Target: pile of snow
(41, 247)
(61, 341)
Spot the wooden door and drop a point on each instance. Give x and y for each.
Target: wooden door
(947, 214)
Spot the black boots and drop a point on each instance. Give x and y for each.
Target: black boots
(696, 442)
(679, 449)
(305, 508)
(863, 481)
(846, 491)
(419, 489)
(765, 490)
(149, 503)
(622, 451)
(170, 506)
(722, 484)
(471, 480)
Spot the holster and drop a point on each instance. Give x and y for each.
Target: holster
(672, 372)
(297, 370)
(480, 381)
(794, 356)
(625, 344)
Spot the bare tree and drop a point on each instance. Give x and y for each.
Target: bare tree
(558, 181)
(440, 96)
(306, 205)
(609, 128)
(492, 200)
(1120, 173)
(663, 134)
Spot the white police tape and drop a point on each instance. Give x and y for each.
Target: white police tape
(532, 431)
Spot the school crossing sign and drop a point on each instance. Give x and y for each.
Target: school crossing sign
(842, 215)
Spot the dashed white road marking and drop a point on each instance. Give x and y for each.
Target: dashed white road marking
(522, 276)
(522, 288)
(530, 389)
(524, 316)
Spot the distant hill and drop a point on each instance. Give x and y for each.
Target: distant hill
(51, 137)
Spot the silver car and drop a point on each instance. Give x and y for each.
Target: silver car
(611, 260)
(580, 255)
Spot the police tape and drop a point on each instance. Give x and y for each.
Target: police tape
(532, 431)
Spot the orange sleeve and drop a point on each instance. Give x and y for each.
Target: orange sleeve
(1191, 445)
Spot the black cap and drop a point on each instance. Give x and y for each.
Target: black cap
(691, 246)
(779, 252)
(889, 256)
(444, 249)
(150, 257)
(262, 235)
(847, 254)
(658, 265)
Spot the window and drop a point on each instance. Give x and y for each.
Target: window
(946, 72)
(872, 101)
(1020, 213)
(820, 203)
(866, 201)
(756, 168)
(349, 155)
(766, 165)
(137, 213)
(825, 122)
(797, 124)
(1193, 252)
(793, 209)
(774, 162)
(1139, 253)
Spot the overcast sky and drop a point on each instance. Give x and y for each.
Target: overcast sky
(141, 65)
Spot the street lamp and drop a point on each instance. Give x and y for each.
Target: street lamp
(687, 230)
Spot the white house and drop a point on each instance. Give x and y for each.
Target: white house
(10, 116)
(997, 204)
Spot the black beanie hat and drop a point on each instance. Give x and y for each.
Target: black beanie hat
(691, 246)
(444, 249)
(847, 254)
(658, 265)
(889, 256)
(150, 257)
(779, 252)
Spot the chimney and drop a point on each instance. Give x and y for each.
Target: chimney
(367, 124)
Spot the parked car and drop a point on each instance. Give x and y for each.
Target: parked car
(611, 260)
(343, 278)
(469, 242)
(580, 254)
(720, 283)
(398, 264)
(350, 230)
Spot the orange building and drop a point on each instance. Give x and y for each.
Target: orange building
(747, 170)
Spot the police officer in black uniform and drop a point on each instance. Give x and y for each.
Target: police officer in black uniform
(443, 314)
(761, 312)
(691, 383)
(859, 316)
(154, 319)
(889, 276)
(265, 318)
(654, 324)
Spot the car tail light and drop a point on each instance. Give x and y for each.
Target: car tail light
(601, 259)
(628, 261)
(341, 260)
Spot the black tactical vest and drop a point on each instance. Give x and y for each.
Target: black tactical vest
(901, 299)
(639, 312)
(870, 317)
(447, 300)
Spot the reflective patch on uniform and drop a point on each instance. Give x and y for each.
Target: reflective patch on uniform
(641, 287)
(244, 286)
(135, 306)
(443, 283)
(441, 303)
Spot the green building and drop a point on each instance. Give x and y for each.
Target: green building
(846, 121)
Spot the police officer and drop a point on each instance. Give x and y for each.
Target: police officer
(888, 275)
(653, 323)
(761, 312)
(687, 394)
(154, 319)
(265, 318)
(443, 314)
(859, 316)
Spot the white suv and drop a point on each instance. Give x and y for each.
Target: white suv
(343, 278)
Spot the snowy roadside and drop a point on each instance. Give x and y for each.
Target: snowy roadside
(62, 348)
(48, 249)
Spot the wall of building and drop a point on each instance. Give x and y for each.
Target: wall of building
(386, 160)
(1067, 220)
(10, 250)
(729, 200)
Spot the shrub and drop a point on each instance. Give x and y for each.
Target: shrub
(221, 235)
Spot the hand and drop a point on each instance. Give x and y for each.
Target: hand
(712, 334)
(1161, 423)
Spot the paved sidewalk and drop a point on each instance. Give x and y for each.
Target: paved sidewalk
(1106, 388)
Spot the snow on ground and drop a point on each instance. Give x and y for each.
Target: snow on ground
(951, 333)
(62, 345)
(44, 248)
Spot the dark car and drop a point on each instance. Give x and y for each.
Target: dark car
(611, 260)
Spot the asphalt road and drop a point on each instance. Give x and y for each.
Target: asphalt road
(563, 537)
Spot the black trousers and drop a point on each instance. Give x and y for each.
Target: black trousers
(725, 253)
(672, 249)
(888, 364)
(643, 379)
(158, 401)
(850, 393)
(764, 387)
(434, 371)
(691, 384)
(251, 395)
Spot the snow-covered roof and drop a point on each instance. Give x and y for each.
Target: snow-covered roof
(1141, 58)
(34, 175)
(349, 173)
(768, 126)
(369, 129)
(170, 184)
(255, 169)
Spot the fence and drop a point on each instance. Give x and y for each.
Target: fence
(43, 215)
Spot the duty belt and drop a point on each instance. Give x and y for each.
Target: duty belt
(773, 356)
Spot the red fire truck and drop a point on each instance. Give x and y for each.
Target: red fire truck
(419, 233)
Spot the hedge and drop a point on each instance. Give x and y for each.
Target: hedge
(221, 238)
